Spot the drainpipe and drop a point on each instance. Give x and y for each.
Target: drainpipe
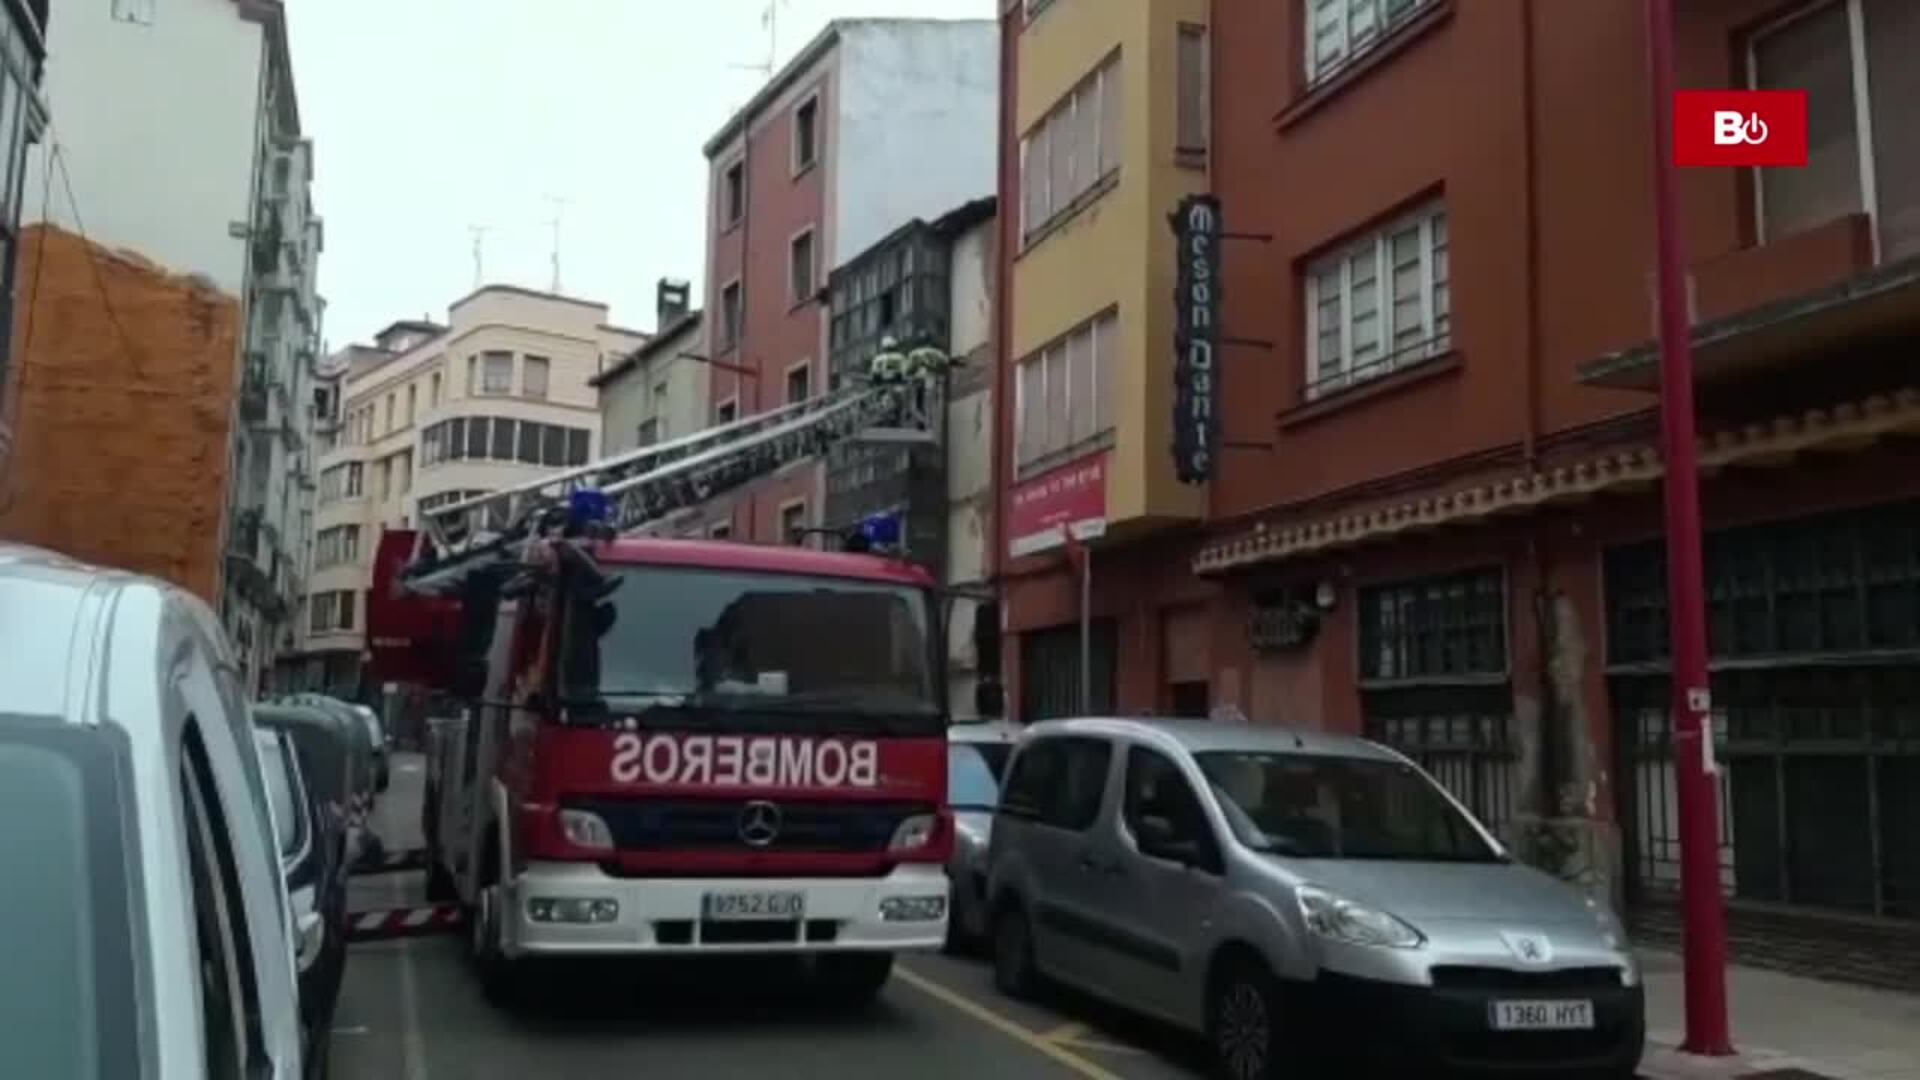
(1007, 243)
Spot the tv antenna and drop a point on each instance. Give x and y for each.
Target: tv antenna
(770, 22)
(559, 205)
(479, 233)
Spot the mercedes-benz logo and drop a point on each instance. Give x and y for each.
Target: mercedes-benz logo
(759, 823)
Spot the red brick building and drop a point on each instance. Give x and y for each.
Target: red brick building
(1453, 543)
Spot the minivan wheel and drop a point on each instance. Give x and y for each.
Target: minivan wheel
(1244, 1023)
(1013, 969)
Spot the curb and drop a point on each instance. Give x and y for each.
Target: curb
(1664, 1060)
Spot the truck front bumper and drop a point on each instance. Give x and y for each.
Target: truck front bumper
(577, 909)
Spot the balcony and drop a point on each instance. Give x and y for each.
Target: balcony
(255, 563)
(1789, 329)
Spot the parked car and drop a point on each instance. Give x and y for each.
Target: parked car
(142, 861)
(1293, 892)
(298, 748)
(976, 761)
(381, 741)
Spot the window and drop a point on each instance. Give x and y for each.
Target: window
(1035, 7)
(413, 402)
(1379, 304)
(473, 381)
(389, 424)
(793, 519)
(501, 448)
(1064, 397)
(530, 442)
(1071, 150)
(533, 376)
(1059, 782)
(231, 1021)
(1434, 627)
(134, 11)
(403, 465)
(726, 412)
(336, 546)
(434, 397)
(806, 134)
(648, 434)
(800, 381)
(729, 329)
(1341, 31)
(578, 448)
(356, 480)
(1192, 92)
(496, 374)
(1159, 803)
(800, 283)
(720, 530)
(1816, 50)
(733, 194)
(330, 611)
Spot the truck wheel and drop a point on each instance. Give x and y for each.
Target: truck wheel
(855, 978)
(500, 980)
(440, 887)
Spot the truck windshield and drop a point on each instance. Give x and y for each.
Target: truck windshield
(673, 638)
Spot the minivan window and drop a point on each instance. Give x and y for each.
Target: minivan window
(1155, 786)
(68, 1004)
(1060, 782)
(1326, 807)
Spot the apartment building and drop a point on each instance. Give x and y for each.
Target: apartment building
(1103, 129)
(432, 414)
(23, 54)
(1435, 514)
(874, 123)
(159, 407)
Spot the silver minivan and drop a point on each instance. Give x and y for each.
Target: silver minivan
(1297, 894)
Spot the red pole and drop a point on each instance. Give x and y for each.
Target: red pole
(1704, 937)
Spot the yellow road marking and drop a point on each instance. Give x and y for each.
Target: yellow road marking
(1066, 1033)
(1003, 1025)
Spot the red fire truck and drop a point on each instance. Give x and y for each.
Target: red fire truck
(672, 746)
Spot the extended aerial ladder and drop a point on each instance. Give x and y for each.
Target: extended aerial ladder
(894, 403)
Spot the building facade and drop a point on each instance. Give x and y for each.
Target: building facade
(1442, 524)
(157, 411)
(658, 392)
(431, 415)
(1103, 128)
(23, 54)
(876, 122)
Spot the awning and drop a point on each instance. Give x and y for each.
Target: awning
(1844, 427)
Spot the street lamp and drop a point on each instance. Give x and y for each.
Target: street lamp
(1704, 940)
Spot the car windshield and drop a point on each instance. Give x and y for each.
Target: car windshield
(286, 809)
(974, 772)
(680, 638)
(68, 1003)
(1314, 806)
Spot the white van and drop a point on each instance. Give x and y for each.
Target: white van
(142, 913)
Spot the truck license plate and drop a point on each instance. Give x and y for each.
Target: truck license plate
(1543, 1016)
(735, 906)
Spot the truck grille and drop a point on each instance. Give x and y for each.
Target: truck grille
(715, 824)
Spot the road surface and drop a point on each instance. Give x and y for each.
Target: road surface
(411, 1011)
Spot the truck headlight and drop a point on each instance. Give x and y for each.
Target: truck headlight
(586, 829)
(572, 909)
(915, 832)
(1334, 916)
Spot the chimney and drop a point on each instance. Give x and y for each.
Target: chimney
(672, 297)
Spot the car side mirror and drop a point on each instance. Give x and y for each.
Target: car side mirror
(989, 699)
(1160, 839)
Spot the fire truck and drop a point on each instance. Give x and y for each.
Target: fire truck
(672, 747)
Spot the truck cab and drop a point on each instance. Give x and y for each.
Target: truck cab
(693, 747)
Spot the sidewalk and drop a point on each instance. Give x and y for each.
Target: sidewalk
(1783, 1023)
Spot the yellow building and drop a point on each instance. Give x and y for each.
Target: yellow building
(1106, 132)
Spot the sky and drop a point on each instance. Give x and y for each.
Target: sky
(430, 117)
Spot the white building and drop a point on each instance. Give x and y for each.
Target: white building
(434, 414)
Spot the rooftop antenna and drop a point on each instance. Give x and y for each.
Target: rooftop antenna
(558, 203)
(770, 22)
(479, 233)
